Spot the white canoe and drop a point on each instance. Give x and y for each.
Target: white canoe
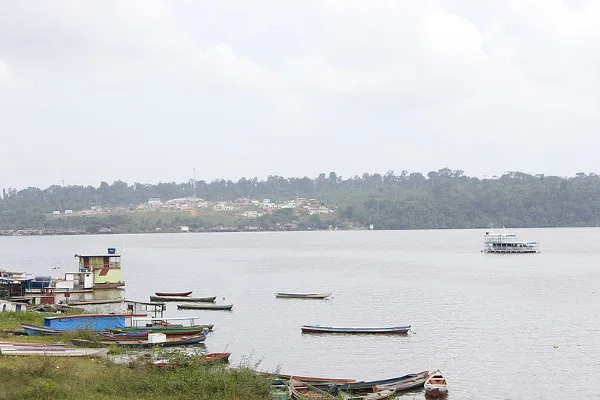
(52, 351)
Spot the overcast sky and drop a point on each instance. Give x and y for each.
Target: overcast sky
(148, 90)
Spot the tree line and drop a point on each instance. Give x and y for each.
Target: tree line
(440, 199)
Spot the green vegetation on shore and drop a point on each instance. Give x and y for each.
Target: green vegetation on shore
(40, 377)
(440, 199)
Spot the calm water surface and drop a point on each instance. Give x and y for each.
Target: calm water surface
(498, 326)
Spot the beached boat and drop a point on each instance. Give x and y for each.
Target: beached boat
(210, 358)
(381, 384)
(383, 394)
(328, 329)
(52, 351)
(406, 382)
(27, 344)
(279, 390)
(121, 335)
(214, 358)
(173, 294)
(184, 299)
(169, 341)
(309, 379)
(436, 385)
(305, 391)
(35, 330)
(505, 242)
(84, 302)
(226, 307)
(320, 296)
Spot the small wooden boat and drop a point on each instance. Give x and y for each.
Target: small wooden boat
(226, 307)
(311, 379)
(215, 358)
(171, 341)
(173, 294)
(405, 382)
(383, 394)
(168, 330)
(381, 384)
(168, 325)
(279, 390)
(84, 302)
(184, 299)
(26, 344)
(35, 330)
(121, 335)
(52, 351)
(305, 391)
(303, 295)
(397, 330)
(436, 385)
(210, 358)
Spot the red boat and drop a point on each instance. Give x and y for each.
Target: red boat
(176, 294)
(436, 385)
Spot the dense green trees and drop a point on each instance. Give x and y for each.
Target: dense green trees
(440, 199)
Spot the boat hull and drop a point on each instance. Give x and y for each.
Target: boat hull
(390, 383)
(173, 294)
(227, 307)
(169, 330)
(52, 351)
(317, 296)
(184, 299)
(396, 330)
(181, 341)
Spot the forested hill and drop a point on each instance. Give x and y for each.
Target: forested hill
(441, 199)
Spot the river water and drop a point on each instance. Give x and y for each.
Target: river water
(498, 326)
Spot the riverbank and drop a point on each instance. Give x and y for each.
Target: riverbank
(44, 377)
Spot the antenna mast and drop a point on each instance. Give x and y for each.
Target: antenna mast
(194, 183)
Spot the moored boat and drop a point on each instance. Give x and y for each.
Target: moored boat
(311, 379)
(329, 329)
(279, 390)
(383, 394)
(405, 382)
(173, 294)
(226, 307)
(169, 326)
(320, 296)
(121, 335)
(305, 391)
(184, 298)
(506, 242)
(436, 385)
(396, 383)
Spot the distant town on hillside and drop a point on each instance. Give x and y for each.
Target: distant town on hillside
(438, 200)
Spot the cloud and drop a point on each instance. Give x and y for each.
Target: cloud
(420, 78)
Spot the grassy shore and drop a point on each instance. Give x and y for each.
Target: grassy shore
(40, 377)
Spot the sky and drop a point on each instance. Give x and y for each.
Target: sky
(150, 91)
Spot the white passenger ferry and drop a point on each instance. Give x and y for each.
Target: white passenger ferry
(504, 242)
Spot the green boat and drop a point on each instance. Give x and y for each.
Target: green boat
(169, 326)
(279, 390)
